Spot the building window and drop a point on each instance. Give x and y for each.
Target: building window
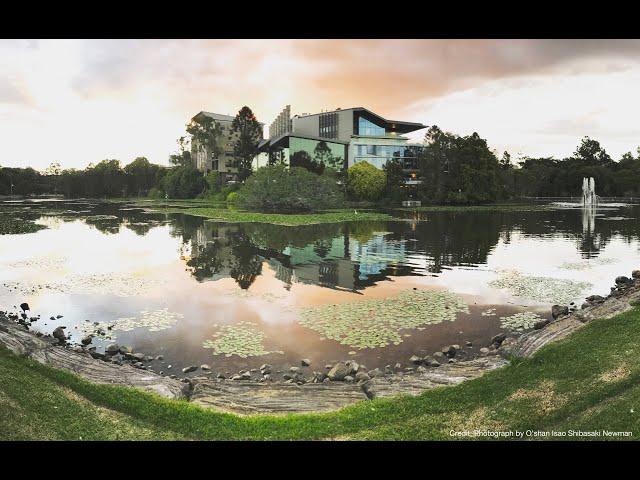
(369, 129)
(328, 125)
(214, 165)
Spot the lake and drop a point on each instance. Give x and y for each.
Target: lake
(237, 295)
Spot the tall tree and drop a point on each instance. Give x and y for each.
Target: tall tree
(206, 135)
(249, 133)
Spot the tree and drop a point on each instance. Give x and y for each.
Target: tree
(505, 161)
(366, 182)
(591, 153)
(184, 182)
(280, 189)
(206, 134)
(141, 176)
(249, 133)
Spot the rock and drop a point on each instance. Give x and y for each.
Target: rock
(148, 358)
(622, 280)
(159, 357)
(340, 370)
(286, 376)
(468, 343)
(125, 350)
(421, 369)
(498, 339)
(112, 349)
(451, 350)
(246, 376)
(635, 274)
(585, 305)
(376, 372)
(189, 369)
(397, 366)
(24, 307)
(267, 377)
(595, 299)
(294, 369)
(362, 377)
(138, 356)
(236, 377)
(86, 340)
(328, 367)
(348, 379)
(59, 334)
(205, 367)
(559, 310)
(540, 324)
(431, 362)
(388, 370)
(305, 362)
(438, 355)
(220, 376)
(415, 360)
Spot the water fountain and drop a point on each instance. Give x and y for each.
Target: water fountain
(589, 197)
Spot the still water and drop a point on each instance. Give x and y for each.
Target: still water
(238, 295)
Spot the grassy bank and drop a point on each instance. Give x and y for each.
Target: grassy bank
(589, 381)
(228, 215)
(497, 207)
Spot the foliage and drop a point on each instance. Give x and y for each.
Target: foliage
(232, 197)
(206, 135)
(458, 169)
(237, 216)
(366, 182)
(249, 133)
(183, 182)
(278, 189)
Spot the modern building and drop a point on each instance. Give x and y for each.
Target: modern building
(205, 160)
(351, 135)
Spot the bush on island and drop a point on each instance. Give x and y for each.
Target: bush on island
(279, 189)
(366, 182)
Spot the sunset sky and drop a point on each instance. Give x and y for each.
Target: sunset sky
(81, 101)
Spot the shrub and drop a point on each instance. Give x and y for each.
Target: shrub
(232, 197)
(278, 189)
(184, 182)
(155, 193)
(366, 182)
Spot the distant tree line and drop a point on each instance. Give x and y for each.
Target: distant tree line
(454, 169)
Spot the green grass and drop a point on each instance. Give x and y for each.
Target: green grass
(498, 207)
(237, 216)
(589, 381)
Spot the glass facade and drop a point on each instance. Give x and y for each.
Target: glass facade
(369, 129)
(379, 155)
(296, 144)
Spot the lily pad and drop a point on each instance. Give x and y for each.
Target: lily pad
(243, 339)
(542, 289)
(379, 322)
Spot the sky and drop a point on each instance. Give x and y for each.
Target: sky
(80, 101)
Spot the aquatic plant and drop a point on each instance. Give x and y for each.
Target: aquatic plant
(520, 321)
(243, 339)
(379, 322)
(153, 321)
(542, 289)
(587, 264)
(490, 312)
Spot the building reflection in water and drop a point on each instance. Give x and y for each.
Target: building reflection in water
(353, 256)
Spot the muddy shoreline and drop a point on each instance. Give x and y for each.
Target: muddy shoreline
(309, 388)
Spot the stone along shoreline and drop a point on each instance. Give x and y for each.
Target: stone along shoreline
(340, 385)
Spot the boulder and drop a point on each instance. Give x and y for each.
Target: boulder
(622, 280)
(498, 339)
(559, 310)
(24, 307)
(415, 360)
(189, 369)
(540, 324)
(362, 377)
(59, 334)
(305, 362)
(595, 299)
(86, 340)
(205, 367)
(341, 370)
(635, 274)
(112, 349)
(376, 372)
